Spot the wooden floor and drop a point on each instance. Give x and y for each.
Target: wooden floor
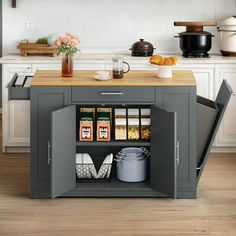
(213, 213)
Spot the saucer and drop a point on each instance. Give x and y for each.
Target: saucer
(102, 79)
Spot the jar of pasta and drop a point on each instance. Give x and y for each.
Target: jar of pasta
(120, 129)
(133, 128)
(145, 128)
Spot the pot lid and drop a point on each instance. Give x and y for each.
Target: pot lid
(137, 151)
(132, 153)
(231, 21)
(132, 157)
(195, 33)
(142, 45)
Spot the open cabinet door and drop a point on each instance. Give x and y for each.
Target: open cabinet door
(221, 104)
(163, 171)
(63, 151)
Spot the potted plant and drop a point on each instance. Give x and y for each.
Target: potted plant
(67, 46)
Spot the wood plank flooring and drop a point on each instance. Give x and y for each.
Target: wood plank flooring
(213, 213)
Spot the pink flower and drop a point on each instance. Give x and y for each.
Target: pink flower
(71, 36)
(66, 43)
(73, 42)
(57, 42)
(66, 40)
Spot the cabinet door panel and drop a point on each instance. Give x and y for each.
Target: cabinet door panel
(19, 123)
(204, 75)
(204, 79)
(227, 130)
(63, 146)
(44, 100)
(182, 100)
(221, 103)
(163, 152)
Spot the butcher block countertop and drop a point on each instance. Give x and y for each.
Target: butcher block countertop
(133, 78)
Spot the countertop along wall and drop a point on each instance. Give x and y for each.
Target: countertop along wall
(110, 26)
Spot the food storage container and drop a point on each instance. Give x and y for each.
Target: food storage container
(145, 112)
(120, 113)
(120, 129)
(133, 129)
(145, 128)
(133, 113)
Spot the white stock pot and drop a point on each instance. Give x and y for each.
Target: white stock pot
(132, 164)
(227, 29)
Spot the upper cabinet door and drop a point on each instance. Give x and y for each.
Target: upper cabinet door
(163, 171)
(63, 151)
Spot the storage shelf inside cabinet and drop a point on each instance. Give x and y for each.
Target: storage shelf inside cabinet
(115, 143)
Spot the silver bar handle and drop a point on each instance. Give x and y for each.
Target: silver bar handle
(49, 153)
(177, 152)
(111, 93)
(224, 30)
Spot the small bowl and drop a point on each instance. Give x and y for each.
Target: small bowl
(103, 74)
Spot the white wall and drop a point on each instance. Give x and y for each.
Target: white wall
(106, 26)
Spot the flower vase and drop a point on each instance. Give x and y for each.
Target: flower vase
(67, 65)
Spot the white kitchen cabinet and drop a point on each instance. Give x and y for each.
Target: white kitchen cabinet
(46, 66)
(16, 114)
(227, 131)
(204, 74)
(205, 82)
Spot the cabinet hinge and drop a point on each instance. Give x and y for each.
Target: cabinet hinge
(49, 153)
(177, 152)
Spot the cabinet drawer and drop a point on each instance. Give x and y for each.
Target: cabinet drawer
(17, 93)
(113, 94)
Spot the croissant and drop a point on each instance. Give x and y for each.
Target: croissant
(163, 61)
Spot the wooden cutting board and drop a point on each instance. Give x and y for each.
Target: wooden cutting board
(34, 48)
(195, 26)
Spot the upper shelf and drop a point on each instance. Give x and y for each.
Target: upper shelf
(133, 78)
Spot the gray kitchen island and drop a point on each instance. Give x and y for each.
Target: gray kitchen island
(174, 167)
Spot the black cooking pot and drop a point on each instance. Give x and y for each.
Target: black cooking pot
(195, 43)
(142, 49)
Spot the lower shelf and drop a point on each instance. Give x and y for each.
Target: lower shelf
(115, 188)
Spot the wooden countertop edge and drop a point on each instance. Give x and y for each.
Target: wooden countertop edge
(132, 79)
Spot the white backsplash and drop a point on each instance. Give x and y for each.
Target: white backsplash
(109, 26)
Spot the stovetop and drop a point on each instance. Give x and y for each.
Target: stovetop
(196, 55)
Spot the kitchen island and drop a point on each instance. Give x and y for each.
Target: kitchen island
(55, 104)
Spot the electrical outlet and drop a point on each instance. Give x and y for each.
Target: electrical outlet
(29, 25)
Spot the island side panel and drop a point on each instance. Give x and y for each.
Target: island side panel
(43, 101)
(183, 101)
